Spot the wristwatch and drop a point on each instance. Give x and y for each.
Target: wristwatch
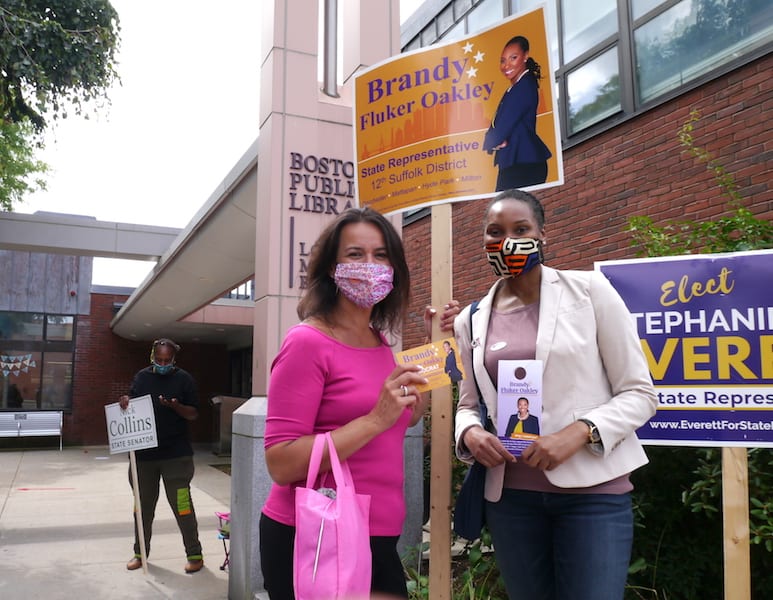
(595, 444)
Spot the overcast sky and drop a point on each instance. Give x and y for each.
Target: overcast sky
(185, 112)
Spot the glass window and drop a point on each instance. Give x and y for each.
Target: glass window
(59, 327)
(19, 379)
(642, 7)
(594, 91)
(586, 24)
(692, 38)
(36, 361)
(520, 6)
(665, 45)
(428, 35)
(21, 326)
(445, 20)
(56, 391)
(456, 32)
(486, 13)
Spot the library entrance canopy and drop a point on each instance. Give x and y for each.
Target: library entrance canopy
(182, 297)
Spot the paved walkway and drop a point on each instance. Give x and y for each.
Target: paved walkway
(66, 529)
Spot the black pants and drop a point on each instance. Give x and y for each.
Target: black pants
(521, 175)
(276, 562)
(177, 474)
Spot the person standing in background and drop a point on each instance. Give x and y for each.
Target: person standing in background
(15, 399)
(175, 402)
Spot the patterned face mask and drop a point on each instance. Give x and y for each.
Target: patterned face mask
(365, 284)
(512, 257)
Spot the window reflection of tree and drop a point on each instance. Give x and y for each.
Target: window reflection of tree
(694, 37)
(606, 101)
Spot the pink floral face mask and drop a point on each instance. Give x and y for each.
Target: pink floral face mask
(365, 284)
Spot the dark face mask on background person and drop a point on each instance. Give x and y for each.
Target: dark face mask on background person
(512, 257)
(162, 369)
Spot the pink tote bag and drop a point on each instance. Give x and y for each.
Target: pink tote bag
(331, 557)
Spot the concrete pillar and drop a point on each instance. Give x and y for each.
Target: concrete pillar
(414, 488)
(250, 484)
(305, 151)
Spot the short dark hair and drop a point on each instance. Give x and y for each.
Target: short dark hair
(319, 299)
(515, 194)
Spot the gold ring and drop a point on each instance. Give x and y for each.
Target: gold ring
(404, 388)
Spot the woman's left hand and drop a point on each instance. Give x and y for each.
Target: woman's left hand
(549, 451)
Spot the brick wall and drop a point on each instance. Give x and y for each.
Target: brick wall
(106, 363)
(636, 168)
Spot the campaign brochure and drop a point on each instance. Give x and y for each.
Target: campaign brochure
(439, 362)
(519, 403)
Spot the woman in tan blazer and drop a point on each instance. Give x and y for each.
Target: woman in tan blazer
(560, 515)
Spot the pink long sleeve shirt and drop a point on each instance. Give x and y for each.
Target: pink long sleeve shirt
(319, 384)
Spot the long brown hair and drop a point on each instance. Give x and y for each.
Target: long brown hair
(319, 299)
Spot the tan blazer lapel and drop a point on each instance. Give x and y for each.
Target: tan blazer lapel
(550, 300)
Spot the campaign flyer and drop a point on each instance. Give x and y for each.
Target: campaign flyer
(519, 403)
(439, 362)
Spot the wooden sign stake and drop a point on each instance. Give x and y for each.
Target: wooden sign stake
(442, 417)
(138, 511)
(735, 523)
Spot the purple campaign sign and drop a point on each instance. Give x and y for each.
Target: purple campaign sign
(706, 325)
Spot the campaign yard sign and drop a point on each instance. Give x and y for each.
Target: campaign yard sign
(133, 428)
(706, 327)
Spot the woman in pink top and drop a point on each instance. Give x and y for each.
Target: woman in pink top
(336, 372)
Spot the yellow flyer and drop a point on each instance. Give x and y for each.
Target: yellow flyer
(439, 363)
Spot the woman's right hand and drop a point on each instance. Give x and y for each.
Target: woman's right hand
(123, 402)
(447, 317)
(486, 447)
(398, 394)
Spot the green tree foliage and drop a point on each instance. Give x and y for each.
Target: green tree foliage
(736, 232)
(678, 551)
(55, 56)
(17, 163)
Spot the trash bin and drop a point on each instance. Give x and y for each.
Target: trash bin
(224, 407)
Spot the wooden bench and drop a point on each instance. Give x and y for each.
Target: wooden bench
(31, 423)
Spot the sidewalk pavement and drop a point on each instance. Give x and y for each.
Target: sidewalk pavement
(66, 529)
